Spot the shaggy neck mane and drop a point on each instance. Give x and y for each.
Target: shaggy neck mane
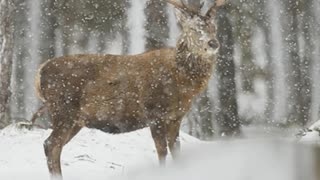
(193, 66)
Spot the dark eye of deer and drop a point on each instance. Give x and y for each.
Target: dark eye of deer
(213, 44)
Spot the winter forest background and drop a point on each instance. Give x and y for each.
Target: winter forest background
(268, 68)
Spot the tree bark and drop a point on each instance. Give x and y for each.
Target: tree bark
(200, 117)
(48, 25)
(265, 23)
(306, 63)
(205, 112)
(157, 24)
(20, 56)
(269, 110)
(6, 52)
(227, 116)
(244, 28)
(292, 50)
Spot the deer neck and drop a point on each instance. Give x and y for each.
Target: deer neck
(194, 69)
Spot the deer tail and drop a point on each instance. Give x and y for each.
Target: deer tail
(38, 82)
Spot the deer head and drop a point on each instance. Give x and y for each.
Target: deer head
(198, 31)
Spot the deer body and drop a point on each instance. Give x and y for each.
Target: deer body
(118, 94)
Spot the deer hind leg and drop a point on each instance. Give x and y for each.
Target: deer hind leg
(53, 146)
(173, 137)
(62, 133)
(158, 132)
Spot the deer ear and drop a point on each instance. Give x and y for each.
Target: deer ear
(181, 16)
(211, 12)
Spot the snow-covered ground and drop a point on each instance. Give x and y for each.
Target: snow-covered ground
(93, 154)
(311, 134)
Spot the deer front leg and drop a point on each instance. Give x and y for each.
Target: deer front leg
(158, 132)
(173, 128)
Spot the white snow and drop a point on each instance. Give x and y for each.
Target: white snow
(311, 134)
(93, 154)
(237, 160)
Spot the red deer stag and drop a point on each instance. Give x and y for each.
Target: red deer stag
(123, 93)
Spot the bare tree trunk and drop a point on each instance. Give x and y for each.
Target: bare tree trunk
(194, 122)
(66, 21)
(157, 24)
(48, 25)
(47, 47)
(269, 110)
(124, 31)
(292, 47)
(200, 117)
(227, 116)
(125, 40)
(205, 112)
(101, 47)
(67, 36)
(20, 55)
(306, 63)
(244, 30)
(265, 23)
(6, 49)
(83, 40)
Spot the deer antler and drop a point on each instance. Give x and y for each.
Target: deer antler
(217, 3)
(182, 6)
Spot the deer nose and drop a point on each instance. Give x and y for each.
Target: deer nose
(213, 43)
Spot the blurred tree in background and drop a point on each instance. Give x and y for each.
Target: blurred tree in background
(227, 115)
(20, 52)
(157, 28)
(6, 53)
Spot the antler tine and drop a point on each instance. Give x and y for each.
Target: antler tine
(181, 5)
(217, 3)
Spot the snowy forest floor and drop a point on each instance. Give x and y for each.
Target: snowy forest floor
(93, 154)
